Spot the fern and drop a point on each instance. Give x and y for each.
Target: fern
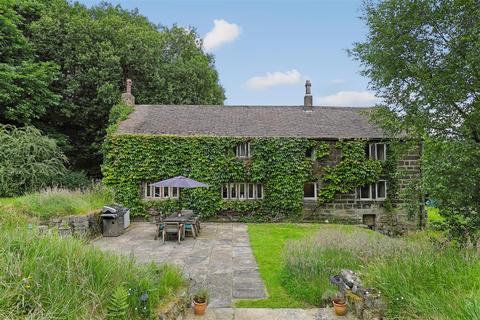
(118, 306)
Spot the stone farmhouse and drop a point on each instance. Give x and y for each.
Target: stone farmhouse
(244, 127)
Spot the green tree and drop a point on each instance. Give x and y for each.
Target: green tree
(96, 49)
(422, 59)
(28, 160)
(25, 93)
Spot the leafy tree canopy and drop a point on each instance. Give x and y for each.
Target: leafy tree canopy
(422, 58)
(25, 93)
(95, 50)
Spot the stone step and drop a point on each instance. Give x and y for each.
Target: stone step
(266, 314)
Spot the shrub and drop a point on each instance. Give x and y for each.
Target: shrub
(73, 180)
(29, 161)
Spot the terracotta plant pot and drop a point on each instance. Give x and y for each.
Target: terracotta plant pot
(340, 307)
(199, 308)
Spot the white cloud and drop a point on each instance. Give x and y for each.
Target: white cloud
(338, 81)
(273, 79)
(349, 98)
(222, 32)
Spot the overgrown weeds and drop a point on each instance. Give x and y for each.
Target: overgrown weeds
(49, 277)
(416, 278)
(55, 202)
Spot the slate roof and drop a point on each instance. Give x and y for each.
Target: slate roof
(251, 121)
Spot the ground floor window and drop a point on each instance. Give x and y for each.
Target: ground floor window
(374, 191)
(310, 191)
(242, 191)
(152, 192)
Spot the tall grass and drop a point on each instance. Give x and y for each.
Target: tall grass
(56, 202)
(416, 279)
(47, 277)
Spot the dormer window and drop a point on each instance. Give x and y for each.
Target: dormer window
(243, 150)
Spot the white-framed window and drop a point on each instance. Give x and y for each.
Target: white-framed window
(225, 191)
(157, 193)
(366, 192)
(243, 150)
(242, 191)
(259, 191)
(375, 191)
(310, 191)
(381, 188)
(377, 151)
(251, 191)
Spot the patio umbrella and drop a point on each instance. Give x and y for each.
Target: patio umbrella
(180, 182)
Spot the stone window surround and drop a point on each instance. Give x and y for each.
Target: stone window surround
(236, 188)
(149, 193)
(370, 198)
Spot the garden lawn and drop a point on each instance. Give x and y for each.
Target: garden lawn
(267, 241)
(58, 202)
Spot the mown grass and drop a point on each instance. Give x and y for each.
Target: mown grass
(58, 202)
(417, 279)
(48, 277)
(267, 241)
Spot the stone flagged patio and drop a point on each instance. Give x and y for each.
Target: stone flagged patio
(265, 314)
(220, 259)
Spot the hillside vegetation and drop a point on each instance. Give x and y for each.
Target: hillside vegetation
(50, 277)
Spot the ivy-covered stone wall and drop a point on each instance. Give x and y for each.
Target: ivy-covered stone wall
(279, 164)
(389, 216)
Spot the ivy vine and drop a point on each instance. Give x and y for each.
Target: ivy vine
(322, 150)
(278, 163)
(353, 171)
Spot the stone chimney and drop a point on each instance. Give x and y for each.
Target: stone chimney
(308, 100)
(127, 96)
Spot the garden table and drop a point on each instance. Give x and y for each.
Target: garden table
(187, 218)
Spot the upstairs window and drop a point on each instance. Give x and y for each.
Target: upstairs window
(310, 191)
(158, 193)
(243, 150)
(376, 151)
(309, 152)
(242, 191)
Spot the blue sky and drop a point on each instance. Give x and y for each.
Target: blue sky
(265, 50)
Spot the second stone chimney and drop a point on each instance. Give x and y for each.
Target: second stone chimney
(127, 96)
(308, 100)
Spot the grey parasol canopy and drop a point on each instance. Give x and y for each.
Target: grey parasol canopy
(180, 182)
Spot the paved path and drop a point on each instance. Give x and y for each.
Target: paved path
(220, 259)
(265, 314)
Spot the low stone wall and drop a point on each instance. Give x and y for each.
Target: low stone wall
(366, 303)
(175, 308)
(87, 225)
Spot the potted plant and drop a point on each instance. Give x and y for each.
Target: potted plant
(200, 300)
(338, 300)
(339, 306)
